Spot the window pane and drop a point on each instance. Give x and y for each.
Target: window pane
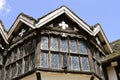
(28, 47)
(82, 47)
(14, 70)
(33, 45)
(85, 64)
(97, 68)
(73, 46)
(8, 59)
(54, 44)
(26, 68)
(75, 63)
(15, 54)
(63, 45)
(64, 60)
(19, 68)
(7, 73)
(1, 59)
(0, 72)
(21, 49)
(54, 60)
(44, 42)
(44, 60)
(32, 61)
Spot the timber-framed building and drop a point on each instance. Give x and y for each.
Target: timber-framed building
(57, 46)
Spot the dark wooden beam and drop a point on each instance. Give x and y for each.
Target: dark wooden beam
(38, 75)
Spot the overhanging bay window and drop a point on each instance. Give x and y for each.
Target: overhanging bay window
(20, 59)
(59, 52)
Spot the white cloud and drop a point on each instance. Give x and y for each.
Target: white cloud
(4, 7)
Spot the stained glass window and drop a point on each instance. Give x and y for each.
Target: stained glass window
(54, 44)
(26, 68)
(73, 46)
(75, 63)
(19, 68)
(32, 61)
(85, 64)
(54, 60)
(63, 45)
(44, 42)
(44, 60)
(14, 70)
(82, 47)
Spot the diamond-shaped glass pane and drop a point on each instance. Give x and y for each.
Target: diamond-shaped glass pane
(54, 44)
(44, 60)
(44, 42)
(85, 64)
(54, 61)
(75, 63)
(73, 46)
(63, 45)
(82, 47)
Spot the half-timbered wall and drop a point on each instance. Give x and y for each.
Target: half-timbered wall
(20, 59)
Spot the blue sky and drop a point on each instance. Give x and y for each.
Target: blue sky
(105, 12)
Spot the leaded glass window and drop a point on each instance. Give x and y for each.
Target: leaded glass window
(7, 73)
(73, 46)
(8, 59)
(75, 63)
(0, 71)
(33, 45)
(63, 45)
(97, 68)
(95, 53)
(85, 64)
(54, 44)
(26, 68)
(64, 60)
(44, 42)
(14, 70)
(82, 47)
(1, 59)
(54, 60)
(32, 61)
(19, 67)
(21, 49)
(15, 54)
(27, 47)
(44, 60)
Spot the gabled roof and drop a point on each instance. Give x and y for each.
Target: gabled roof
(3, 32)
(64, 10)
(22, 18)
(97, 30)
(31, 22)
(59, 12)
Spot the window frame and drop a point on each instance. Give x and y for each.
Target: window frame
(60, 52)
